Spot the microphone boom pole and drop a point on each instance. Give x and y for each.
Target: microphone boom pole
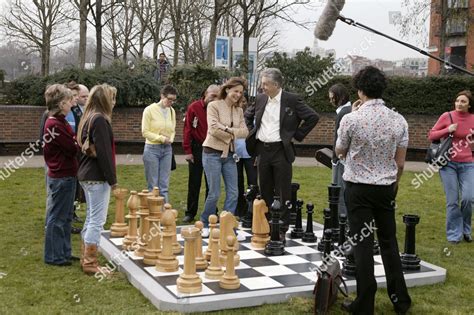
(421, 51)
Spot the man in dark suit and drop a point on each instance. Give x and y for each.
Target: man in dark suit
(277, 118)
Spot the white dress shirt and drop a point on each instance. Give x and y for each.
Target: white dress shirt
(269, 130)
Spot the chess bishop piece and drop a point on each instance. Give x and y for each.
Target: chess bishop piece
(167, 262)
(132, 233)
(155, 204)
(298, 231)
(214, 271)
(410, 260)
(201, 263)
(260, 227)
(119, 228)
(250, 196)
(309, 236)
(275, 246)
(189, 281)
(228, 224)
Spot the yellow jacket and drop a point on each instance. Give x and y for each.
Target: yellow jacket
(155, 126)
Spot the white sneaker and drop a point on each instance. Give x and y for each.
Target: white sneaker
(240, 236)
(205, 233)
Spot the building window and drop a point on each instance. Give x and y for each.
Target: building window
(458, 4)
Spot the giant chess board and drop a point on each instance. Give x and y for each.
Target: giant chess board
(264, 279)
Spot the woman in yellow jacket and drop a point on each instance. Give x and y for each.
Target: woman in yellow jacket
(158, 128)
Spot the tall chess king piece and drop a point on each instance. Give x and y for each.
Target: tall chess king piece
(275, 247)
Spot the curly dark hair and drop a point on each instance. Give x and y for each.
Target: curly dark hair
(371, 81)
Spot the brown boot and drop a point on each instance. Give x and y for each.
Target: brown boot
(89, 263)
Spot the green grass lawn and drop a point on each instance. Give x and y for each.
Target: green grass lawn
(27, 285)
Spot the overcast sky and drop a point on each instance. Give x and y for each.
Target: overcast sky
(372, 13)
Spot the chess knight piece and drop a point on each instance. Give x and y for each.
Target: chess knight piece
(119, 227)
(275, 247)
(410, 260)
(260, 227)
(250, 196)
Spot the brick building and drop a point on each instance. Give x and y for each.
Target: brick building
(458, 28)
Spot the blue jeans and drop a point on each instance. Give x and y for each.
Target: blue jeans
(214, 166)
(157, 162)
(60, 208)
(97, 200)
(458, 182)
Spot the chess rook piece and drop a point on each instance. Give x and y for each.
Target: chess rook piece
(228, 224)
(309, 236)
(229, 280)
(212, 226)
(130, 240)
(275, 246)
(201, 263)
(153, 248)
(119, 228)
(298, 231)
(189, 281)
(410, 260)
(294, 197)
(143, 212)
(260, 227)
(167, 262)
(250, 196)
(348, 266)
(342, 234)
(177, 249)
(327, 225)
(214, 271)
(333, 193)
(327, 241)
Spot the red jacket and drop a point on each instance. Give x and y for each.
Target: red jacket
(195, 125)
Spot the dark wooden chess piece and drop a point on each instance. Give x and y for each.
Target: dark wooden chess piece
(250, 195)
(333, 193)
(327, 241)
(309, 236)
(294, 197)
(327, 226)
(298, 231)
(275, 247)
(342, 234)
(348, 266)
(410, 260)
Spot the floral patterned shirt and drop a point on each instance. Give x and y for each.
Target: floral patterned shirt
(371, 136)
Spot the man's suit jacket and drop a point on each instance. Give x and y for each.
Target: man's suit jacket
(292, 112)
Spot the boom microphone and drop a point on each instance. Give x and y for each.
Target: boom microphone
(328, 19)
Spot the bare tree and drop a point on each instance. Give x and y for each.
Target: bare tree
(413, 21)
(221, 7)
(178, 12)
(37, 25)
(159, 32)
(82, 7)
(121, 25)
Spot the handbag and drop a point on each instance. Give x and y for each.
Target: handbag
(327, 286)
(324, 156)
(88, 148)
(438, 152)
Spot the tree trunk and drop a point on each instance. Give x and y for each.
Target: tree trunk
(98, 33)
(83, 11)
(213, 34)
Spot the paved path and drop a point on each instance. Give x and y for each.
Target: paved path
(136, 159)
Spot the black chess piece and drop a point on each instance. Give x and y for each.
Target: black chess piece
(275, 247)
(250, 195)
(309, 236)
(410, 260)
(294, 198)
(348, 266)
(327, 241)
(298, 231)
(327, 226)
(342, 234)
(333, 193)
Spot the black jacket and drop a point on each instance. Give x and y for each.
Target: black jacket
(344, 111)
(296, 121)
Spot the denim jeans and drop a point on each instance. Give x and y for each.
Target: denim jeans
(157, 162)
(97, 200)
(214, 166)
(60, 207)
(458, 182)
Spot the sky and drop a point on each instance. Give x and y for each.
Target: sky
(346, 38)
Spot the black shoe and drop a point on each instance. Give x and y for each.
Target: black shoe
(74, 258)
(347, 306)
(63, 264)
(468, 238)
(75, 230)
(454, 242)
(187, 219)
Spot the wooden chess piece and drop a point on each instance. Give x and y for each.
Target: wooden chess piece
(167, 262)
(230, 280)
(155, 192)
(201, 263)
(143, 212)
(154, 233)
(212, 225)
(132, 234)
(260, 226)
(189, 281)
(119, 228)
(177, 249)
(214, 271)
(228, 224)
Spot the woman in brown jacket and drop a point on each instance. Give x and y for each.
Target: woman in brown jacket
(225, 121)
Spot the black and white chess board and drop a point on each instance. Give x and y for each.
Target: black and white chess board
(263, 279)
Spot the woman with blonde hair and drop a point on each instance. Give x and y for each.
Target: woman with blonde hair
(225, 120)
(96, 174)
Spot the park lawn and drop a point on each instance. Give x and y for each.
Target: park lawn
(28, 286)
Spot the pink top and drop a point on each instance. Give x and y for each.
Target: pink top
(463, 140)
